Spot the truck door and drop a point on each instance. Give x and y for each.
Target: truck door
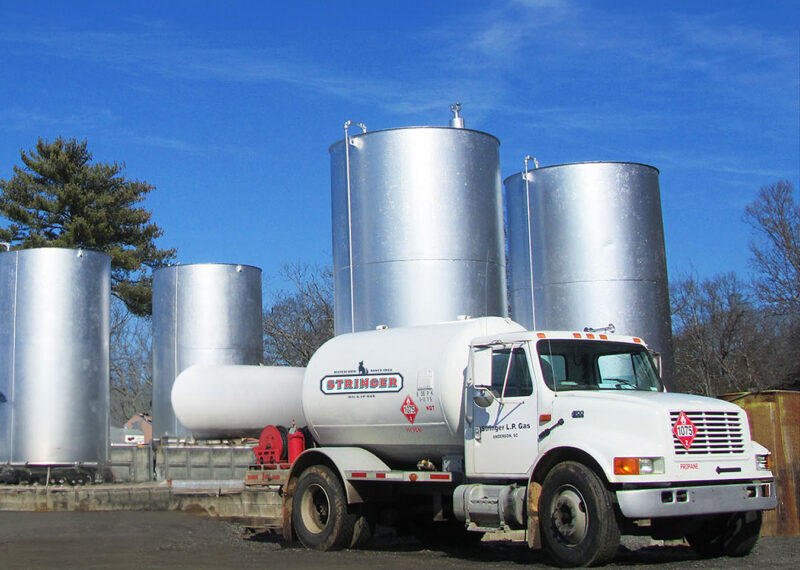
(501, 412)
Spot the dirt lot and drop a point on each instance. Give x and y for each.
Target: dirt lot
(173, 540)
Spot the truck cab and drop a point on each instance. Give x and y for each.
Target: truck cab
(583, 421)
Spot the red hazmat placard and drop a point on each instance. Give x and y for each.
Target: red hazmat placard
(685, 430)
(409, 409)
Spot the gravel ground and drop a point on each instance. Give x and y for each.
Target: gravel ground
(178, 540)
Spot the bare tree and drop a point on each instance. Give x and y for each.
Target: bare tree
(301, 319)
(775, 217)
(130, 365)
(721, 342)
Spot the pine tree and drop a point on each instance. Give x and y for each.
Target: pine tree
(59, 198)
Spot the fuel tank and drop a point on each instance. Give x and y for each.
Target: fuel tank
(396, 392)
(231, 401)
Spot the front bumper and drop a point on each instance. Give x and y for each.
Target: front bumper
(756, 495)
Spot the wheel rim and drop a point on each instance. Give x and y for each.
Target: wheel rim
(569, 515)
(315, 509)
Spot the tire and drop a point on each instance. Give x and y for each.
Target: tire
(319, 511)
(577, 520)
(727, 535)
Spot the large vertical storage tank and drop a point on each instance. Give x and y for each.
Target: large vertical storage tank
(205, 313)
(54, 380)
(417, 227)
(586, 248)
(8, 287)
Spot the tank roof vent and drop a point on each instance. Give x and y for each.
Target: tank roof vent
(457, 122)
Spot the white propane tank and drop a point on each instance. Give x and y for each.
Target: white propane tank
(397, 392)
(223, 401)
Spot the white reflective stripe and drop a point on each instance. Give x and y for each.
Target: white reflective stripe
(434, 476)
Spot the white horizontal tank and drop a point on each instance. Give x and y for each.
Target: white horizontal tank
(397, 392)
(226, 401)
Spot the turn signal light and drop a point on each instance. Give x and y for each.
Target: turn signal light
(638, 465)
(626, 466)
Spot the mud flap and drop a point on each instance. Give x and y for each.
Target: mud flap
(533, 532)
(288, 493)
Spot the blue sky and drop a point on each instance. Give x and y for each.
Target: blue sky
(229, 108)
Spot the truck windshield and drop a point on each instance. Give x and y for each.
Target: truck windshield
(591, 365)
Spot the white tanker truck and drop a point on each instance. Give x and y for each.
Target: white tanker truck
(462, 428)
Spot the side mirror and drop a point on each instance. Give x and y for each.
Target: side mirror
(657, 361)
(481, 366)
(484, 396)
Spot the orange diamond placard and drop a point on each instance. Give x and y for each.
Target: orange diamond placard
(685, 430)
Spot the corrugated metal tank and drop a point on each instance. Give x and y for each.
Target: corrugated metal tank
(205, 313)
(418, 226)
(54, 310)
(586, 248)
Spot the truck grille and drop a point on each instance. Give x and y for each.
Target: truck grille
(718, 433)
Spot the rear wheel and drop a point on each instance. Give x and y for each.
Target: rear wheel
(578, 524)
(319, 511)
(732, 534)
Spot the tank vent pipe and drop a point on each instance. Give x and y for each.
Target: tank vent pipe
(457, 122)
(347, 143)
(6, 245)
(528, 158)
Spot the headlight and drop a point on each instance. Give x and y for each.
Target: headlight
(763, 462)
(638, 465)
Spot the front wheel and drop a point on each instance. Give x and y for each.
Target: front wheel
(732, 534)
(577, 520)
(319, 511)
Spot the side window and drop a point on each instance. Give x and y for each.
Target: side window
(519, 376)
